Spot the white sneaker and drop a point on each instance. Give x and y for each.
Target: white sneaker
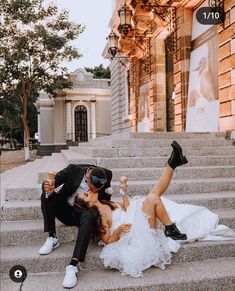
(50, 244)
(70, 279)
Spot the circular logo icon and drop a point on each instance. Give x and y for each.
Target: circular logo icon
(18, 273)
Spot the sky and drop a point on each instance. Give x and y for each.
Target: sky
(95, 15)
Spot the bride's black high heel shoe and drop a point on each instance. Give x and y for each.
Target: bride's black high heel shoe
(177, 158)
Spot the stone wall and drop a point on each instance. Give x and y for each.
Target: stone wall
(103, 118)
(227, 68)
(120, 122)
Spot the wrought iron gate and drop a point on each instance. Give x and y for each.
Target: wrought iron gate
(81, 134)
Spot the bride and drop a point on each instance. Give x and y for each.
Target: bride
(132, 239)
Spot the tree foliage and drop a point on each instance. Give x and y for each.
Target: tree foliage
(100, 72)
(35, 40)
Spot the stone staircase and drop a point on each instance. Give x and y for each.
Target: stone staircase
(208, 179)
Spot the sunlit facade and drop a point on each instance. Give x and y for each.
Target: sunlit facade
(172, 73)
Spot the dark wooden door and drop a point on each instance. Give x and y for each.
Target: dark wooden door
(81, 134)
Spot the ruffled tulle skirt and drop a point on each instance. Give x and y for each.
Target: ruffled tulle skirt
(138, 249)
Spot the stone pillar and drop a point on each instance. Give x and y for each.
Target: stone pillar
(69, 120)
(160, 87)
(181, 66)
(134, 84)
(93, 119)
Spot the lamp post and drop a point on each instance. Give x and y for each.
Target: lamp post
(125, 15)
(113, 43)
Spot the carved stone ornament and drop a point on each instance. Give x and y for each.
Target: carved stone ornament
(80, 77)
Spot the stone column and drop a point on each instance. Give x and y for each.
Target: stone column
(93, 119)
(159, 102)
(182, 66)
(69, 120)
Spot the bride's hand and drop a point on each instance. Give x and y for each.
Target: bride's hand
(123, 185)
(125, 227)
(123, 189)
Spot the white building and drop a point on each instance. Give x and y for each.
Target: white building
(76, 115)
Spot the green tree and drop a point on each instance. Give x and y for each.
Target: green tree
(35, 40)
(11, 125)
(100, 72)
(11, 122)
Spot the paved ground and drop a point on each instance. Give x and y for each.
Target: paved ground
(11, 159)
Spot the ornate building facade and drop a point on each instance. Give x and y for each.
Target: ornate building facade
(74, 115)
(172, 70)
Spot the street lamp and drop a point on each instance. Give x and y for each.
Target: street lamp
(113, 49)
(113, 43)
(125, 15)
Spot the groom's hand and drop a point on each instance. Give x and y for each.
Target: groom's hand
(49, 186)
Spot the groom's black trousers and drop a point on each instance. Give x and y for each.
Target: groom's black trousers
(57, 207)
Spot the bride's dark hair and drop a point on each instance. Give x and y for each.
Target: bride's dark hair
(80, 205)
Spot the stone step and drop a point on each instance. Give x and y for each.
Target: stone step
(54, 163)
(185, 172)
(96, 143)
(31, 209)
(181, 186)
(15, 170)
(215, 274)
(26, 232)
(11, 175)
(137, 142)
(176, 135)
(70, 156)
(60, 258)
(166, 143)
(28, 175)
(131, 162)
(152, 151)
(145, 162)
(188, 151)
(143, 187)
(23, 175)
(156, 135)
(135, 174)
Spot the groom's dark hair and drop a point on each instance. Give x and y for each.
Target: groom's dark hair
(98, 177)
(98, 172)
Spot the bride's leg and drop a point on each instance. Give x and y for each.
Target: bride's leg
(154, 208)
(163, 183)
(176, 159)
(149, 205)
(153, 205)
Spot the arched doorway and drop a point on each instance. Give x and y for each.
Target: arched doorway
(80, 117)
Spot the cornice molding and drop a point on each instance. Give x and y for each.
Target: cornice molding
(88, 92)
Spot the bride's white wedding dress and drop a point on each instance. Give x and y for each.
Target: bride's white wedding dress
(144, 247)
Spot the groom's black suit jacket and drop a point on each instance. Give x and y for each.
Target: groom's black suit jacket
(71, 177)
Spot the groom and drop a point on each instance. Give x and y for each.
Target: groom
(75, 179)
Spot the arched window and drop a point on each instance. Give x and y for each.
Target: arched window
(80, 117)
